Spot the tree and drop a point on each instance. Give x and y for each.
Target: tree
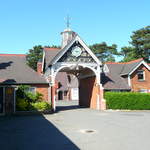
(105, 52)
(53, 46)
(128, 53)
(140, 45)
(34, 56)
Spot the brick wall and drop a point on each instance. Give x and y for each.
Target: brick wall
(43, 89)
(88, 92)
(137, 85)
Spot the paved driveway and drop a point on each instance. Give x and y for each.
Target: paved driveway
(73, 128)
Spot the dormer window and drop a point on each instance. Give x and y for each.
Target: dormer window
(141, 75)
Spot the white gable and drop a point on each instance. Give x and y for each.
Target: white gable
(67, 47)
(142, 62)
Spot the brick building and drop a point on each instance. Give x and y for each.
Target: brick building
(70, 72)
(73, 62)
(129, 76)
(76, 68)
(14, 72)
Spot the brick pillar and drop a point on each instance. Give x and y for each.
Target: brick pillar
(88, 92)
(102, 100)
(53, 97)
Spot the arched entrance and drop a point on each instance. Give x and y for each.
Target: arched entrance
(76, 58)
(90, 90)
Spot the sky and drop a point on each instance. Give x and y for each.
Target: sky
(26, 23)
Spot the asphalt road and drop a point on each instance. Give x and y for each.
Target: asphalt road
(73, 128)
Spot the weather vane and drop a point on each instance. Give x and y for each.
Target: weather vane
(68, 21)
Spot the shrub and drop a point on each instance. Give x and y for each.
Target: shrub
(21, 91)
(22, 105)
(31, 97)
(42, 106)
(26, 101)
(127, 100)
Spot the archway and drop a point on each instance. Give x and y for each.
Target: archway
(76, 58)
(90, 90)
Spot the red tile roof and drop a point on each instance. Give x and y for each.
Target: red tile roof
(130, 62)
(23, 55)
(50, 48)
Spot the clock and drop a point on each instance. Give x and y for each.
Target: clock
(76, 51)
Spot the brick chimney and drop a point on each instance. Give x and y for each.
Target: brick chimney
(39, 67)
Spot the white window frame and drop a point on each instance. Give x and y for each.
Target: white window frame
(32, 87)
(143, 75)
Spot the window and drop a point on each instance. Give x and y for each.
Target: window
(32, 90)
(141, 75)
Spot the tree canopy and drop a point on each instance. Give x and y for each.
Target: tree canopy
(140, 45)
(105, 52)
(34, 55)
(53, 46)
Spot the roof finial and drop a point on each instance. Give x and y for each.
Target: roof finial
(68, 21)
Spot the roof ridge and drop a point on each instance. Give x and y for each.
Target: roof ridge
(113, 62)
(51, 48)
(133, 61)
(12, 54)
(129, 62)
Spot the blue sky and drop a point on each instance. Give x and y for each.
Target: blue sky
(25, 23)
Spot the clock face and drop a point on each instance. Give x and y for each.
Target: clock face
(76, 51)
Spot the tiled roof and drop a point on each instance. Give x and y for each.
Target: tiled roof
(116, 78)
(63, 79)
(129, 62)
(13, 55)
(113, 80)
(50, 53)
(14, 70)
(124, 68)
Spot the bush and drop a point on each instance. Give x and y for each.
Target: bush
(26, 101)
(22, 105)
(127, 100)
(21, 91)
(34, 97)
(41, 106)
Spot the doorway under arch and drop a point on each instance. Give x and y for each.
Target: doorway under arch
(89, 89)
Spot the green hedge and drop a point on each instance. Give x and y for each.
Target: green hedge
(127, 100)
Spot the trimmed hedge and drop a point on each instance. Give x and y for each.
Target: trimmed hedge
(127, 100)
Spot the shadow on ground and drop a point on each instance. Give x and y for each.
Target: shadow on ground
(64, 105)
(32, 133)
(64, 108)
